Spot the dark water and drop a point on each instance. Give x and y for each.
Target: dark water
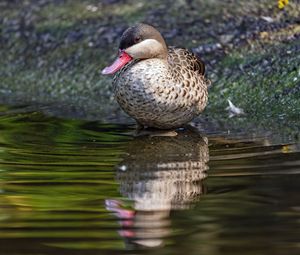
(76, 187)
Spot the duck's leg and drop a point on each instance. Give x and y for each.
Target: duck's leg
(139, 127)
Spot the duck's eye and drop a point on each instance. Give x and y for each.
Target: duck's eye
(137, 39)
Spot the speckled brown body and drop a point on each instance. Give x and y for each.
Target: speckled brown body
(163, 93)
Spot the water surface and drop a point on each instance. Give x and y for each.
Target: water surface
(79, 187)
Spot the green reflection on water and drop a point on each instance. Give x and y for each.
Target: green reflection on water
(55, 175)
(74, 187)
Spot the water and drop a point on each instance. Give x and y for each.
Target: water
(78, 187)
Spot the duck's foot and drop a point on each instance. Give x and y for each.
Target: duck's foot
(142, 130)
(164, 133)
(154, 133)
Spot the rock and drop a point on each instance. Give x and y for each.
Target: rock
(225, 39)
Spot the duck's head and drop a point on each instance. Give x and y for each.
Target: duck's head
(138, 42)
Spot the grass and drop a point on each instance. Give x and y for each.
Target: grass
(269, 86)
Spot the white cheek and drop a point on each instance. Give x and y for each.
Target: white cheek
(145, 49)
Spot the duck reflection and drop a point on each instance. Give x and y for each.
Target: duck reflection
(159, 174)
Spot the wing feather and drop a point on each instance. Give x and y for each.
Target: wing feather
(182, 57)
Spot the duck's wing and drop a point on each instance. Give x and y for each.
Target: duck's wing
(182, 58)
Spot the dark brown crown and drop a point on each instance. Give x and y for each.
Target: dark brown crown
(138, 33)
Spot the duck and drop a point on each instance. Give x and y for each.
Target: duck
(160, 87)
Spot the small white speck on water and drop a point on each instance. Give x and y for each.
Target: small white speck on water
(123, 168)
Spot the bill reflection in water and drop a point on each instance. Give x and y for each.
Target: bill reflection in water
(159, 174)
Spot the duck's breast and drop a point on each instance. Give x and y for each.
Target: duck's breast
(148, 91)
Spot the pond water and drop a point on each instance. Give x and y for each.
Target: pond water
(79, 187)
